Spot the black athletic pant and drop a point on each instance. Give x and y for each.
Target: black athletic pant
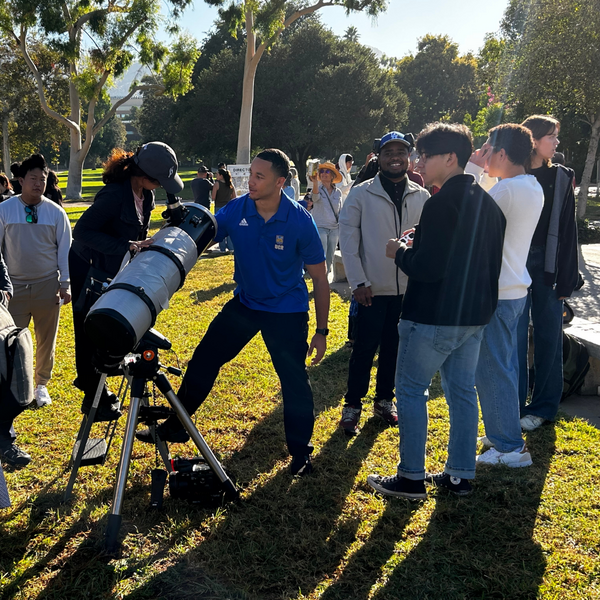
(285, 335)
(375, 325)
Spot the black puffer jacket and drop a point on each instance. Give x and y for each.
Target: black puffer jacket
(103, 232)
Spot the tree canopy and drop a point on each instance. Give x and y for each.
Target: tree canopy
(97, 40)
(439, 84)
(316, 95)
(551, 65)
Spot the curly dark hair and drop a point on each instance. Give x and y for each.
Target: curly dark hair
(120, 167)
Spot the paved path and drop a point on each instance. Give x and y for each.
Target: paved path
(586, 302)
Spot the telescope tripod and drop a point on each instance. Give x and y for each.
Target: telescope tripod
(144, 369)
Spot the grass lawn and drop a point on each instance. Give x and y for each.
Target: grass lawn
(523, 533)
(92, 182)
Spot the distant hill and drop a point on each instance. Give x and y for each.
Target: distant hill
(136, 71)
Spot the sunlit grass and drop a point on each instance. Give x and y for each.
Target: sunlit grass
(523, 533)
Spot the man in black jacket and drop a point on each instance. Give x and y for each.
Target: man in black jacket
(453, 269)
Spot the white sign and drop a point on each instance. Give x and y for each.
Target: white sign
(239, 178)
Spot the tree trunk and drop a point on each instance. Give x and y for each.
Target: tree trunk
(245, 127)
(589, 167)
(75, 180)
(6, 145)
(75, 177)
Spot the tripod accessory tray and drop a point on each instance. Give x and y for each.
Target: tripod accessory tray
(94, 453)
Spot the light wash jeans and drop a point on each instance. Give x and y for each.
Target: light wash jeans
(546, 314)
(422, 351)
(497, 377)
(329, 239)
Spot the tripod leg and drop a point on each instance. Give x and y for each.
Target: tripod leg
(82, 438)
(114, 518)
(165, 387)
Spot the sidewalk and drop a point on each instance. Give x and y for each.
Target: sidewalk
(586, 305)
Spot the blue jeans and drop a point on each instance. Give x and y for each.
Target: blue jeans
(329, 239)
(422, 351)
(546, 313)
(497, 377)
(226, 244)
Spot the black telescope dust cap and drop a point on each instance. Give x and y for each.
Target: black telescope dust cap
(159, 161)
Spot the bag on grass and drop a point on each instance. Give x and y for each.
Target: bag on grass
(16, 366)
(575, 365)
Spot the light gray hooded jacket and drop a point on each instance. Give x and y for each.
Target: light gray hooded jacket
(367, 221)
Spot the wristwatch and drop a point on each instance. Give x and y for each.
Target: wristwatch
(324, 331)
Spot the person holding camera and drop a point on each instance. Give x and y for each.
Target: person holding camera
(113, 226)
(276, 239)
(326, 206)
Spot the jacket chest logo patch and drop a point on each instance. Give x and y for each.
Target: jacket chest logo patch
(278, 242)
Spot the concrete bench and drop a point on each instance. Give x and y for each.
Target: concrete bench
(589, 334)
(339, 273)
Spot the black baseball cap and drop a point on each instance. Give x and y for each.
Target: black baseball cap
(159, 161)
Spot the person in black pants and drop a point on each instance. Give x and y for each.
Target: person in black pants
(374, 211)
(116, 224)
(274, 239)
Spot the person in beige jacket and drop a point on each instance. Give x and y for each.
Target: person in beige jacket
(374, 212)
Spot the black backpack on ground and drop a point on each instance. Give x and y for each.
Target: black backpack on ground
(575, 365)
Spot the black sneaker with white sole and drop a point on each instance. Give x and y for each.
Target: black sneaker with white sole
(400, 487)
(458, 486)
(301, 465)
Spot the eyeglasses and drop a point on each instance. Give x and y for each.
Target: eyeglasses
(31, 214)
(425, 157)
(327, 171)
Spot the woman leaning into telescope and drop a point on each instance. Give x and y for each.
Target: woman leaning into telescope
(114, 225)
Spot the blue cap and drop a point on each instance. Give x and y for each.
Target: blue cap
(396, 136)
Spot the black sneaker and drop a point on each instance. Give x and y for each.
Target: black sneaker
(301, 465)
(14, 456)
(176, 436)
(458, 486)
(350, 419)
(401, 487)
(108, 407)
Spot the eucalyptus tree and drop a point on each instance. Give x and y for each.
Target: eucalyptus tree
(263, 22)
(552, 65)
(97, 40)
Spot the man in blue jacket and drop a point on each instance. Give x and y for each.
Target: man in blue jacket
(453, 269)
(274, 239)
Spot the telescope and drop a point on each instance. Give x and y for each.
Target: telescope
(119, 323)
(142, 289)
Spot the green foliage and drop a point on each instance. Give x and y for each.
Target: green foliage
(487, 117)
(438, 82)
(29, 126)
(587, 233)
(315, 94)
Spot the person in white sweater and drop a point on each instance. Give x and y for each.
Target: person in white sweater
(35, 237)
(521, 199)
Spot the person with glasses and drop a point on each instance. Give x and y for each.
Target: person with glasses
(35, 236)
(453, 265)
(375, 211)
(327, 204)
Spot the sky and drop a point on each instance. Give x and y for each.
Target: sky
(395, 33)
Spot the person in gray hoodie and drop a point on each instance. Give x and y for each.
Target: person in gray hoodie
(375, 211)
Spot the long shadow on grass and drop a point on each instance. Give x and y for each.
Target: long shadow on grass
(287, 534)
(206, 295)
(480, 546)
(41, 511)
